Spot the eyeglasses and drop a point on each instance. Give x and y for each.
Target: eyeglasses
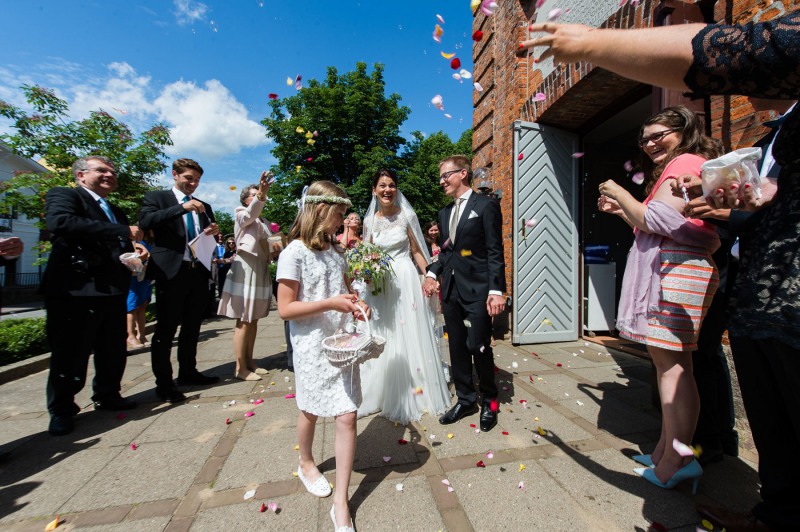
(446, 175)
(102, 171)
(655, 137)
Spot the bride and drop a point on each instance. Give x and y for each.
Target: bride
(408, 379)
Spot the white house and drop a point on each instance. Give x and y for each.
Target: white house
(20, 225)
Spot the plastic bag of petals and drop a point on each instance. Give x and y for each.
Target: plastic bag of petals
(344, 349)
(739, 166)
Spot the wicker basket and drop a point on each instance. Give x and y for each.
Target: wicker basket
(350, 348)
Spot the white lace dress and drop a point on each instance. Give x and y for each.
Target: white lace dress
(408, 379)
(322, 389)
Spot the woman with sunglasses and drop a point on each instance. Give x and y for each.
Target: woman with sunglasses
(669, 279)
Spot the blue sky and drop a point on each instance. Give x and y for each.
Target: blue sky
(206, 68)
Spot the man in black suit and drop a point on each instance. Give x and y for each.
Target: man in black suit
(472, 270)
(182, 283)
(85, 288)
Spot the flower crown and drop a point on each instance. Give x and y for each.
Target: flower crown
(327, 199)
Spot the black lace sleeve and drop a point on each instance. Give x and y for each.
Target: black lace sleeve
(760, 60)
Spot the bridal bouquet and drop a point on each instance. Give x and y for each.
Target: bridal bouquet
(369, 265)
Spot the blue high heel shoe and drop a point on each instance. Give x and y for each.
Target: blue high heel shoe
(692, 471)
(644, 459)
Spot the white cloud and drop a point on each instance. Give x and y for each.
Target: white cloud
(207, 119)
(189, 12)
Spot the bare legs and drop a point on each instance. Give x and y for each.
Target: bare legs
(136, 324)
(680, 406)
(244, 340)
(345, 450)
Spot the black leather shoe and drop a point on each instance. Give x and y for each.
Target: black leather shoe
(74, 410)
(457, 412)
(196, 378)
(488, 418)
(170, 395)
(61, 425)
(114, 403)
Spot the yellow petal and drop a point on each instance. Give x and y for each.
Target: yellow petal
(233, 187)
(52, 525)
(522, 467)
(448, 56)
(289, 82)
(450, 436)
(474, 4)
(296, 447)
(707, 525)
(298, 168)
(541, 431)
(466, 252)
(300, 129)
(536, 419)
(311, 141)
(309, 134)
(294, 473)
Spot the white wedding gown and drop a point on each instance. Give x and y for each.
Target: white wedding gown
(408, 379)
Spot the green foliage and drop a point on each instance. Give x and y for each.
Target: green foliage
(419, 178)
(48, 133)
(273, 272)
(358, 130)
(225, 222)
(21, 339)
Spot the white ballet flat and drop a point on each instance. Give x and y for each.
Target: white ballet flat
(336, 528)
(318, 488)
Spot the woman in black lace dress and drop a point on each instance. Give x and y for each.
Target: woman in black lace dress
(761, 60)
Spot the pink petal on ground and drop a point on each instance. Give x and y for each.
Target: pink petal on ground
(387, 458)
(289, 396)
(263, 508)
(450, 488)
(249, 414)
(480, 464)
(258, 401)
(445, 482)
(273, 507)
(134, 446)
(490, 455)
(521, 485)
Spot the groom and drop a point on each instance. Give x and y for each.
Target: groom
(472, 272)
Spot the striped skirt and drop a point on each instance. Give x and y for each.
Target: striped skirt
(689, 279)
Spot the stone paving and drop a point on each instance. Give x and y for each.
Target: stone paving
(190, 470)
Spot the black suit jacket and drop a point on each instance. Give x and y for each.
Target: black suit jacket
(81, 230)
(477, 258)
(163, 214)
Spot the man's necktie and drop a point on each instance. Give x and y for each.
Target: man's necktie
(454, 219)
(191, 230)
(107, 209)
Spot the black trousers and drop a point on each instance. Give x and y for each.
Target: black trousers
(182, 301)
(715, 430)
(769, 374)
(76, 328)
(470, 345)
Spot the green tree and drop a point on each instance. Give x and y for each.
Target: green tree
(357, 130)
(419, 177)
(47, 132)
(225, 222)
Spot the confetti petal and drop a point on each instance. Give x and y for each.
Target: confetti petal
(259, 400)
(540, 2)
(520, 156)
(474, 4)
(440, 19)
(450, 436)
(402, 441)
(480, 464)
(478, 86)
(387, 458)
(707, 524)
(296, 447)
(437, 102)
(418, 390)
(530, 223)
(472, 425)
(539, 97)
(450, 489)
(466, 252)
(580, 403)
(289, 82)
(638, 178)
(272, 96)
(488, 7)
(515, 364)
(559, 364)
(521, 485)
(494, 406)
(233, 187)
(490, 455)
(263, 508)
(298, 82)
(464, 73)
(398, 487)
(311, 142)
(445, 482)
(477, 36)
(505, 433)
(522, 467)
(289, 396)
(681, 448)
(541, 431)
(273, 507)
(457, 76)
(448, 55)
(134, 446)
(52, 525)
(577, 155)
(249, 494)
(554, 14)
(228, 421)
(249, 414)
(299, 129)
(628, 166)
(455, 63)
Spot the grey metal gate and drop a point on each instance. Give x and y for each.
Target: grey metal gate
(546, 255)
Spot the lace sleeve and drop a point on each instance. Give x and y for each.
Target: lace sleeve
(760, 60)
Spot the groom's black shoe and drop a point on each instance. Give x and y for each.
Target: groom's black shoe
(488, 417)
(457, 412)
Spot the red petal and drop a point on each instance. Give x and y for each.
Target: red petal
(228, 421)
(559, 364)
(494, 406)
(472, 425)
(480, 463)
(402, 441)
(263, 507)
(477, 36)
(505, 433)
(520, 156)
(455, 63)
(273, 96)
